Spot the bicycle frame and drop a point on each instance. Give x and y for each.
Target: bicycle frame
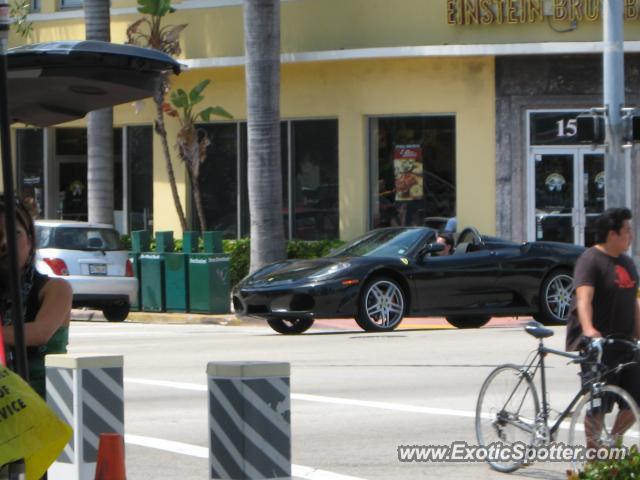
(538, 364)
(539, 357)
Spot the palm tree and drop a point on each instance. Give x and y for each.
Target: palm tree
(99, 128)
(149, 32)
(192, 142)
(262, 51)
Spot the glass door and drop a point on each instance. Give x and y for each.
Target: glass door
(555, 196)
(592, 195)
(568, 194)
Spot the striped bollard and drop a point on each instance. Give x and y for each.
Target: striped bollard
(86, 392)
(249, 420)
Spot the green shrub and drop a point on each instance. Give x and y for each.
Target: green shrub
(625, 469)
(125, 240)
(240, 251)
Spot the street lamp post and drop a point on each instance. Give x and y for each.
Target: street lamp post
(616, 176)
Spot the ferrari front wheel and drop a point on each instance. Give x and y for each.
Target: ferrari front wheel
(382, 305)
(290, 326)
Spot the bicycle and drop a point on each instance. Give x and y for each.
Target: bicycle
(509, 410)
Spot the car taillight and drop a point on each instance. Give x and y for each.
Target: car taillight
(57, 265)
(129, 269)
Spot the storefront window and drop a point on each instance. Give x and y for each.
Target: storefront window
(30, 155)
(219, 180)
(315, 197)
(140, 168)
(413, 169)
(312, 148)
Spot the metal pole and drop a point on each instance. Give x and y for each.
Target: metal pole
(16, 470)
(20, 359)
(613, 89)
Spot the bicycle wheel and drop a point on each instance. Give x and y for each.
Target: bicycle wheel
(506, 412)
(605, 418)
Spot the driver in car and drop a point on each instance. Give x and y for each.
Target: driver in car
(445, 239)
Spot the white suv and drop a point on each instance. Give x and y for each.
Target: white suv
(91, 258)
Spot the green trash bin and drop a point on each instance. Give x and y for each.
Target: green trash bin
(189, 242)
(175, 282)
(209, 283)
(134, 258)
(212, 241)
(152, 285)
(140, 241)
(164, 242)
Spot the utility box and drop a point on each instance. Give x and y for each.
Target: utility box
(212, 242)
(209, 283)
(152, 288)
(176, 282)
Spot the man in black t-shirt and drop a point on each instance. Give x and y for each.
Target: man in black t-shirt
(605, 303)
(606, 283)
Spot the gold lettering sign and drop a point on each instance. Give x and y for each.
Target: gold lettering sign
(498, 12)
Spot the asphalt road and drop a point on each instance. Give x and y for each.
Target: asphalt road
(355, 396)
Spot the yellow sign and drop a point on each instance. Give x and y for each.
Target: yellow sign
(490, 12)
(29, 430)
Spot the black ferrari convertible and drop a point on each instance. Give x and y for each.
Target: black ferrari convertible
(391, 273)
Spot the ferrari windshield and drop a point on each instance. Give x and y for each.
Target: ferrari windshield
(386, 242)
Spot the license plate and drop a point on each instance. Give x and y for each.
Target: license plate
(98, 269)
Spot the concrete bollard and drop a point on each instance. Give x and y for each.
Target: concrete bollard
(86, 392)
(249, 420)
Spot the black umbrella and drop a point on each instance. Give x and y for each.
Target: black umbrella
(50, 83)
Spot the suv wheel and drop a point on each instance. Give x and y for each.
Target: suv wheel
(116, 313)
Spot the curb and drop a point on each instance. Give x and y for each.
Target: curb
(228, 319)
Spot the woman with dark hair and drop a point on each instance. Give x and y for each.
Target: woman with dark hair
(46, 302)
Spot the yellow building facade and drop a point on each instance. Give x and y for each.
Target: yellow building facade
(392, 112)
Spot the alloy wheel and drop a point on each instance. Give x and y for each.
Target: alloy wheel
(384, 304)
(558, 295)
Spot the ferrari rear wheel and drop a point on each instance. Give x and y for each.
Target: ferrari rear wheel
(290, 326)
(555, 298)
(382, 305)
(468, 321)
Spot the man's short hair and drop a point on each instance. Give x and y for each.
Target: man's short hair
(611, 220)
(447, 237)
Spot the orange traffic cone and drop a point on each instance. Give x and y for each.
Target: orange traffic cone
(110, 465)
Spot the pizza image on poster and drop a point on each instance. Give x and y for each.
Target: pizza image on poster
(407, 166)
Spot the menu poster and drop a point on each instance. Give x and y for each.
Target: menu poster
(407, 166)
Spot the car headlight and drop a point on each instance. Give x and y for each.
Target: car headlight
(329, 271)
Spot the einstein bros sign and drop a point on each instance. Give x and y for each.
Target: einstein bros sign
(490, 12)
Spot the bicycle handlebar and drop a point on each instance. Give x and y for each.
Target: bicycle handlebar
(596, 345)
